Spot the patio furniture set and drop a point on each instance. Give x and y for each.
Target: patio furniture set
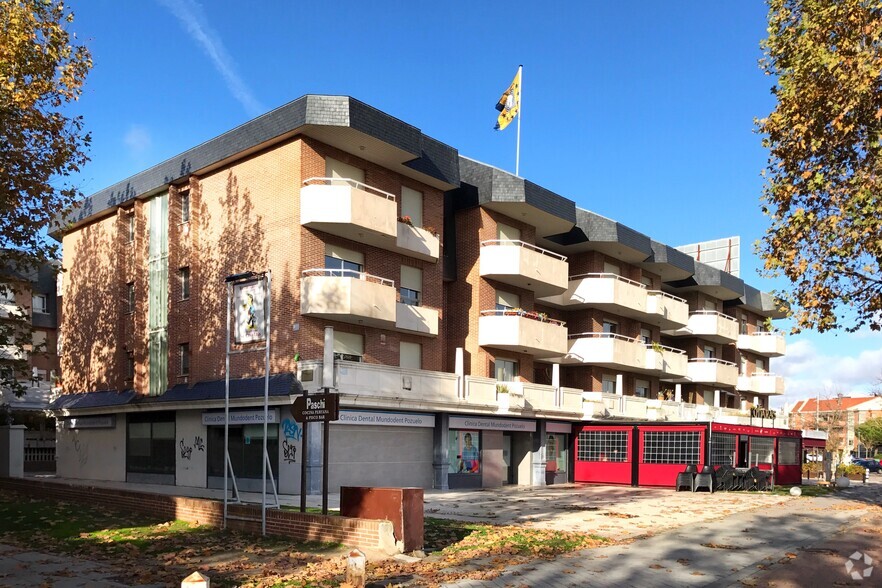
(725, 477)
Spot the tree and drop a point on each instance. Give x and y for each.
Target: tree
(42, 70)
(870, 433)
(824, 175)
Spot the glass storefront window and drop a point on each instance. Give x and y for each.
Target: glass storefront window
(150, 443)
(556, 453)
(464, 452)
(246, 450)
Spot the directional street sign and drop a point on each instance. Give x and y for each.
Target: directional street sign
(316, 408)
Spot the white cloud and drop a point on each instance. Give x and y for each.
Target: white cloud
(193, 19)
(138, 140)
(808, 371)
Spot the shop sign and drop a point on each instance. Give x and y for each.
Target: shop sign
(240, 417)
(492, 424)
(316, 408)
(107, 421)
(393, 419)
(551, 427)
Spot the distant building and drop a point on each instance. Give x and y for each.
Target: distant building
(838, 416)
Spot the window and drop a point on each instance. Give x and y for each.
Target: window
(507, 233)
(671, 447)
(130, 234)
(761, 449)
(722, 449)
(40, 341)
(411, 285)
(556, 453)
(760, 366)
(130, 295)
(709, 352)
(611, 268)
(743, 325)
(40, 303)
(710, 305)
(506, 370)
(338, 258)
(603, 446)
(507, 300)
(130, 365)
(246, 450)
(185, 207)
(7, 294)
(412, 205)
(410, 355)
(708, 397)
(611, 327)
(609, 384)
(646, 336)
(465, 451)
(641, 389)
(743, 371)
(339, 170)
(788, 452)
(646, 281)
(150, 443)
(185, 283)
(184, 355)
(348, 346)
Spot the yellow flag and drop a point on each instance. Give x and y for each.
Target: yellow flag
(510, 103)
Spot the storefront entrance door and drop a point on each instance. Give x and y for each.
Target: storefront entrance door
(508, 472)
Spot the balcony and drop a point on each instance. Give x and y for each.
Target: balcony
(420, 320)
(353, 210)
(709, 325)
(762, 343)
(712, 371)
(348, 296)
(670, 312)
(525, 266)
(522, 332)
(666, 362)
(605, 349)
(761, 384)
(607, 291)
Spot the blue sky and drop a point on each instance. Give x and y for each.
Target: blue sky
(640, 111)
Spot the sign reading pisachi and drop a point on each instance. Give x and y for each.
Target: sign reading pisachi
(316, 408)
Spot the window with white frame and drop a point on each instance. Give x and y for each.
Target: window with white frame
(412, 205)
(411, 288)
(710, 352)
(40, 303)
(611, 268)
(760, 366)
(646, 336)
(610, 327)
(507, 233)
(339, 170)
(185, 206)
(410, 355)
(671, 447)
(608, 384)
(602, 446)
(646, 281)
(506, 370)
(348, 346)
(130, 227)
(641, 389)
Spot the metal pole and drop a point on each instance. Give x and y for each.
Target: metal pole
(326, 435)
(304, 446)
(267, 307)
(227, 404)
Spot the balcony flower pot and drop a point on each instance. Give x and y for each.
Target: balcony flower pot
(503, 399)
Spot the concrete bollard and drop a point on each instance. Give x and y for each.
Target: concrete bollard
(356, 574)
(196, 580)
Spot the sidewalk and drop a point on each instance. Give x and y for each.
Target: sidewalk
(31, 568)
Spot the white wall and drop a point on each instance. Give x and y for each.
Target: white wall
(290, 454)
(92, 454)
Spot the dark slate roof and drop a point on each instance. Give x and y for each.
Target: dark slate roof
(430, 157)
(662, 253)
(279, 385)
(601, 229)
(762, 303)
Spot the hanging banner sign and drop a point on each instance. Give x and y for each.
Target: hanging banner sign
(248, 316)
(391, 419)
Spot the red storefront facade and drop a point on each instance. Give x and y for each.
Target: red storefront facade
(651, 454)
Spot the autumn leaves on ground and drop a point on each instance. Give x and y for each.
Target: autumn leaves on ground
(150, 551)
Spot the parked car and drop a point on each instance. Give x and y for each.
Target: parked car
(871, 464)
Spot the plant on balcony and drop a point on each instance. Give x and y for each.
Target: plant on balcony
(543, 317)
(501, 389)
(431, 229)
(406, 220)
(656, 346)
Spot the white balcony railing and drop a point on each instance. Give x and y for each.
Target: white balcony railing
(666, 362)
(522, 331)
(762, 343)
(710, 325)
(524, 265)
(348, 296)
(672, 312)
(706, 370)
(606, 349)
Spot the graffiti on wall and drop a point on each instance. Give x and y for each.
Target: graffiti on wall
(293, 432)
(199, 443)
(186, 450)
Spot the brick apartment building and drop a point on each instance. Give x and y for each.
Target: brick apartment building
(839, 417)
(473, 313)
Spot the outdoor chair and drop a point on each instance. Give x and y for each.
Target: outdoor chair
(754, 479)
(763, 479)
(705, 479)
(725, 478)
(686, 477)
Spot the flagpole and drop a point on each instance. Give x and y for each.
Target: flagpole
(520, 108)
